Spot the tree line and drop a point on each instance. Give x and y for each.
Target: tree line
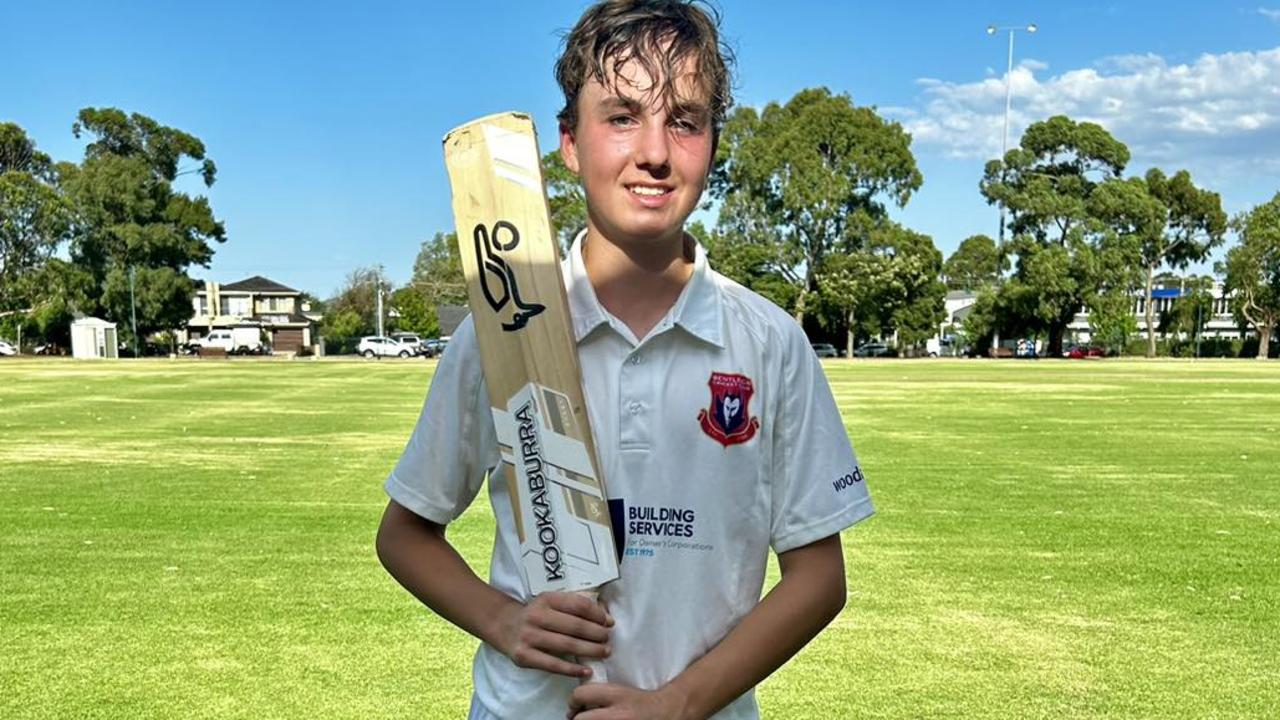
(108, 236)
(802, 193)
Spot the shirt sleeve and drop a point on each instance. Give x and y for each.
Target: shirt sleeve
(818, 487)
(453, 446)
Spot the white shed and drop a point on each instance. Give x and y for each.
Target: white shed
(93, 338)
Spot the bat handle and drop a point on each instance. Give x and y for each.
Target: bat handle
(598, 672)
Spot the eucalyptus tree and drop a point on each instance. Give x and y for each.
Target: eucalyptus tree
(35, 218)
(1252, 271)
(804, 178)
(136, 235)
(975, 264)
(1046, 184)
(1194, 224)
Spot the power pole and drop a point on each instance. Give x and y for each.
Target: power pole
(378, 285)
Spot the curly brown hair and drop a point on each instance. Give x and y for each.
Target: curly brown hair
(659, 35)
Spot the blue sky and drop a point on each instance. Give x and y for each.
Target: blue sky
(325, 119)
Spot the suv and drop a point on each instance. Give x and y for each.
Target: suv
(7, 349)
(825, 350)
(412, 340)
(873, 349)
(376, 345)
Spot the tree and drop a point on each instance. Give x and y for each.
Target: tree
(415, 314)
(974, 265)
(803, 179)
(1192, 310)
(437, 272)
(35, 217)
(1253, 271)
(888, 285)
(1128, 218)
(1194, 224)
(1046, 184)
(565, 198)
(751, 265)
(130, 217)
(358, 298)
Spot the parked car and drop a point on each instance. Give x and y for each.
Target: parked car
(379, 346)
(435, 346)
(825, 350)
(1084, 352)
(412, 340)
(874, 349)
(235, 341)
(6, 349)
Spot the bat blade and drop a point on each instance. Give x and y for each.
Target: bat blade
(530, 360)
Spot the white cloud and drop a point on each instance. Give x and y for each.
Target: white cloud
(1270, 13)
(1220, 113)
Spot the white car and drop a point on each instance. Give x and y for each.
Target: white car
(7, 349)
(376, 345)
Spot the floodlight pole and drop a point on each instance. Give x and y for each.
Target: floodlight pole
(1004, 150)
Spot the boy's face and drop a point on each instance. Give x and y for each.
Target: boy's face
(643, 166)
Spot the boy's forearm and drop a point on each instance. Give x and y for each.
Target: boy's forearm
(810, 594)
(417, 555)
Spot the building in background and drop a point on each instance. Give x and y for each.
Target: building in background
(286, 322)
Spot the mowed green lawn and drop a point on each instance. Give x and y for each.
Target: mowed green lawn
(185, 539)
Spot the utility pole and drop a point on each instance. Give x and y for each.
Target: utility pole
(378, 284)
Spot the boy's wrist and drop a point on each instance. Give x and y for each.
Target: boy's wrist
(680, 697)
(495, 629)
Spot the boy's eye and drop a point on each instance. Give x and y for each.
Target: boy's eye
(620, 120)
(687, 125)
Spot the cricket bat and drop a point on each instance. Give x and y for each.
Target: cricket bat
(521, 312)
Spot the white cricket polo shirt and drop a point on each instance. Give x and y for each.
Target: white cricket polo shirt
(717, 433)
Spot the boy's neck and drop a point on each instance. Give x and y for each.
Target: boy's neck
(637, 285)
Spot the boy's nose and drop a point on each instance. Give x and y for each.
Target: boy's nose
(652, 151)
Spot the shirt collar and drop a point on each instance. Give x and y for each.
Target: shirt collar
(697, 309)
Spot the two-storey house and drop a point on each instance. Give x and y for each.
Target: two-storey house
(286, 321)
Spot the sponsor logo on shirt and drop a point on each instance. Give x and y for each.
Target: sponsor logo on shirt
(728, 420)
(644, 530)
(660, 521)
(848, 480)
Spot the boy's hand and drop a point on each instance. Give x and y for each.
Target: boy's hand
(553, 625)
(607, 701)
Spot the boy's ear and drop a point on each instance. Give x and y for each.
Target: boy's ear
(568, 148)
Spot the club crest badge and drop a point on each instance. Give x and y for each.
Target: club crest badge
(728, 421)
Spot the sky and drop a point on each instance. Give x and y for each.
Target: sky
(325, 119)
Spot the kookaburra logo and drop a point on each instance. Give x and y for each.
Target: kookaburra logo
(497, 279)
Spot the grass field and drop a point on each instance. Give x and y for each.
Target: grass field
(1053, 540)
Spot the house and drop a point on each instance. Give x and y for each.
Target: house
(279, 311)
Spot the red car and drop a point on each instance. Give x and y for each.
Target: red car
(1081, 352)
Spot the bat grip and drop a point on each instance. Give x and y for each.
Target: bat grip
(598, 672)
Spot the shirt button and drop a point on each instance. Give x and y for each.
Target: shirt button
(635, 407)
(637, 359)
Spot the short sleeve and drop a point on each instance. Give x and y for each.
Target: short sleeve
(453, 446)
(818, 486)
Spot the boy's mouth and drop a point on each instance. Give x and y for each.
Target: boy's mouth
(649, 190)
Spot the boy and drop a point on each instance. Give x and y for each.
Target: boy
(715, 426)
